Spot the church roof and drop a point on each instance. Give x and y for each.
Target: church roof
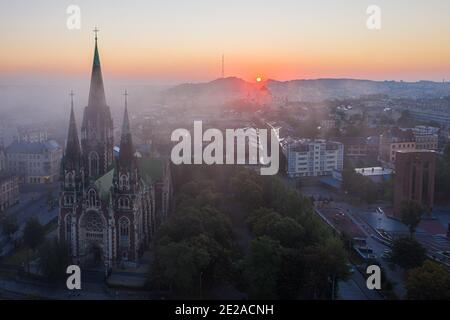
(32, 147)
(126, 151)
(104, 184)
(72, 151)
(97, 96)
(151, 169)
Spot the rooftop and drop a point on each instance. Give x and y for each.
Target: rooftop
(373, 171)
(32, 147)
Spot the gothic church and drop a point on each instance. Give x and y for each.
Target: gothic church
(110, 205)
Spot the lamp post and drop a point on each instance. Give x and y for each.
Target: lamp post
(201, 273)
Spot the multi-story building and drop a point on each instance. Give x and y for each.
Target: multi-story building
(31, 134)
(395, 140)
(328, 124)
(414, 178)
(355, 146)
(437, 114)
(311, 158)
(34, 162)
(426, 138)
(2, 158)
(373, 146)
(9, 190)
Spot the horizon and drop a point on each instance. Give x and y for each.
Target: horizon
(156, 43)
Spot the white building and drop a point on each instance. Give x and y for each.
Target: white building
(427, 138)
(312, 158)
(34, 162)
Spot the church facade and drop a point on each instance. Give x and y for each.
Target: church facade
(110, 205)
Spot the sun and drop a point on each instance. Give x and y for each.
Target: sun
(258, 79)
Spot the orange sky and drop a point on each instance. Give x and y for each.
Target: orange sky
(184, 41)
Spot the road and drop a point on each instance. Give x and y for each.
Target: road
(397, 275)
(33, 203)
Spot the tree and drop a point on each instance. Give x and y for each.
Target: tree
(447, 153)
(408, 253)
(33, 234)
(262, 267)
(411, 214)
(9, 226)
(429, 282)
(53, 260)
(179, 266)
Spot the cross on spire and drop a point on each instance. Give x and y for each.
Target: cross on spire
(96, 32)
(126, 98)
(71, 94)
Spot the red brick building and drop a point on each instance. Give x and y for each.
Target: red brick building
(414, 178)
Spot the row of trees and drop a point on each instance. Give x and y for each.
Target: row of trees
(52, 256)
(359, 185)
(293, 254)
(425, 279)
(232, 225)
(194, 249)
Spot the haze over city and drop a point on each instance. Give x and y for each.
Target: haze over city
(237, 151)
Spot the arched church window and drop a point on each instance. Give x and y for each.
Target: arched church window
(123, 182)
(68, 228)
(124, 202)
(93, 164)
(68, 199)
(70, 180)
(92, 198)
(124, 231)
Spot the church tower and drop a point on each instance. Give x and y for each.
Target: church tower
(71, 180)
(107, 207)
(97, 126)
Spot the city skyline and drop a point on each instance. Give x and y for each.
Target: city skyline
(180, 41)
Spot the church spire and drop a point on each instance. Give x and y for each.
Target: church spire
(96, 91)
(73, 145)
(126, 153)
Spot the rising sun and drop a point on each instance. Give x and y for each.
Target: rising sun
(258, 79)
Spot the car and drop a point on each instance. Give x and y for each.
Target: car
(350, 268)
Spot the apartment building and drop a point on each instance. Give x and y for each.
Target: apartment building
(312, 158)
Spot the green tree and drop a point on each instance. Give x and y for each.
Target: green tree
(53, 260)
(411, 214)
(33, 234)
(326, 264)
(408, 253)
(9, 226)
(262, 267)
(429, 282)
(447, 153)
(179, 266)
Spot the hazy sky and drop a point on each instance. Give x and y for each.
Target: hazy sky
(183, 40)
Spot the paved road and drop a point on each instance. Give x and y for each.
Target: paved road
(378, 248)
(33, 203)
(355, 288)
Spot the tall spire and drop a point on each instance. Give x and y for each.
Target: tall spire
(73, 145)
(96, 91)
(126, 153)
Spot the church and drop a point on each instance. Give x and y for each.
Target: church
(110, 204)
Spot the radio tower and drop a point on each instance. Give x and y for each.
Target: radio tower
(223, 66)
